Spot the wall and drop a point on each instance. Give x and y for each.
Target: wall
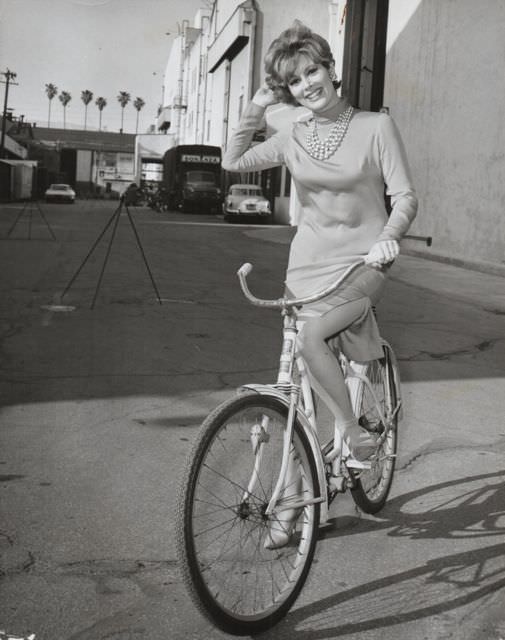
(446, 89)
(238, 87)
(273, 18)
(216, 114)
(223, 9)
(83, 171)
(114, 169)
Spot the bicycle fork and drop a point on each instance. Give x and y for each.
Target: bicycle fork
(259, 438)
(259, 432)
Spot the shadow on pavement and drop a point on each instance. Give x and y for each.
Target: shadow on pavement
(464, 508)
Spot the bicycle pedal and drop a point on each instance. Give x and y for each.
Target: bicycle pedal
(352, 463)
(337, 484)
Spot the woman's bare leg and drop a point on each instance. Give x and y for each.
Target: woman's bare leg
(322, 363)
(325, 372)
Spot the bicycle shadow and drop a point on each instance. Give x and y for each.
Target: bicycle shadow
(470, 513)
(437, 585)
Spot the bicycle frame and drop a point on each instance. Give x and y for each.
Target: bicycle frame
(298, 399)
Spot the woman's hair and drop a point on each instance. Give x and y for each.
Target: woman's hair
(282, 58)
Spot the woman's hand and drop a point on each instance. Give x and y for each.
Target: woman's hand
(382, 252)
(264, 97)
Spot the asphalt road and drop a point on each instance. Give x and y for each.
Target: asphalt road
(99, 407)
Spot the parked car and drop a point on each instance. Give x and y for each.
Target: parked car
(246, 203)
(60, 193)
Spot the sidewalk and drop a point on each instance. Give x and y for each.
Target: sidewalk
(481, 289)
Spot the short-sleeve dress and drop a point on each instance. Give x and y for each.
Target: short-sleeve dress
(342, 208)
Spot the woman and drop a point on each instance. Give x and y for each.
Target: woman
(339, 158)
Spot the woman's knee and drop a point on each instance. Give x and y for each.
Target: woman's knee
(310, 340)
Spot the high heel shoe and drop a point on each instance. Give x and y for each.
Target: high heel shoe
(283, 522)
(281, 528)
(361, 442)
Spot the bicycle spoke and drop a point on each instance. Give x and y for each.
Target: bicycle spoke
(215, 511)
(372, 485)
(232, 482)
(221, 524)
(226, 506)
(244, 580)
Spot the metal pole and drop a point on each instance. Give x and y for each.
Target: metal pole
(9, 75)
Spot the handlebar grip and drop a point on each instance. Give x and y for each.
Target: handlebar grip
(245, 269)
(428, 240)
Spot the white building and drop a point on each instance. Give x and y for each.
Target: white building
(431, 63)
(216, 65)
(446, 89)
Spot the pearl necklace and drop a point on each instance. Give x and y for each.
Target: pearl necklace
(323, 149)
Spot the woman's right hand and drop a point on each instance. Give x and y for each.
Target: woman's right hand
(264, 97)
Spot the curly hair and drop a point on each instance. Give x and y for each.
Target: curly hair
(282, 56)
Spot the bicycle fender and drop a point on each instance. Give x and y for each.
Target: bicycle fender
(396, 375)
(267, 390)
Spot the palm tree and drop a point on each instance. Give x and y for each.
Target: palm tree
(64, 98)
(51, 91)
(101, 103)
(123, 99)
(138, 103)
(86, 97)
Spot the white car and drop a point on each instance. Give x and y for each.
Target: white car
(60, 193)
(246, 203)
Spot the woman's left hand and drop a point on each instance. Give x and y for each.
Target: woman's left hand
(382, 252)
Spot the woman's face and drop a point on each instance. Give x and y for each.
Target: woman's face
(311, 86)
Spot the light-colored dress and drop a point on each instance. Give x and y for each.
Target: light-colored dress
(342, 204)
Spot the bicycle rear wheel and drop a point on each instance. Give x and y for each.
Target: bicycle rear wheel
(240, 585)
(372, 485)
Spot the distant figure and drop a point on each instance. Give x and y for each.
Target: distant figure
(131, 194)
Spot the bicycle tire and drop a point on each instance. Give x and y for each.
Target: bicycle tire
(251, 591)
(372, 486)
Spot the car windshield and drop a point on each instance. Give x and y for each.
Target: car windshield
(246, 191)
(59, 187)
(200, 176)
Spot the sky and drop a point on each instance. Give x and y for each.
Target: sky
(105, 46)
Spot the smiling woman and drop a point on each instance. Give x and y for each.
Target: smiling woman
(339, 158)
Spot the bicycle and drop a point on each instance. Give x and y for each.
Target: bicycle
(234, 487)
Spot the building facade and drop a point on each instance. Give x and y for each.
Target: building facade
(445, 88)
(216, 66)
(93, 162)
(432, 64)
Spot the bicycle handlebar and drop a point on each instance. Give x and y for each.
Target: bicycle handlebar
(284, 303)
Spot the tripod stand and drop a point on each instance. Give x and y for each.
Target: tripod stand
(114, 219)
(28, 207)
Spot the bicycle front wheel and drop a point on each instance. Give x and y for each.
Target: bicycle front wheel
(372, 485)
(241, 585)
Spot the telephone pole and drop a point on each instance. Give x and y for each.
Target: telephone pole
(9, 77)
